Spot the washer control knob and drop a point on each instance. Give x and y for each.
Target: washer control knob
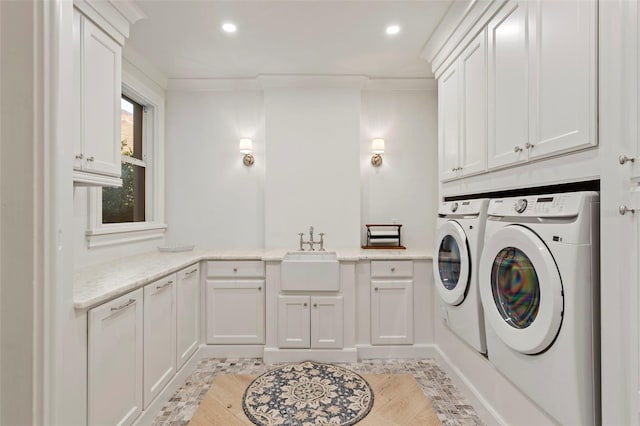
(454, 207)
(521, 205)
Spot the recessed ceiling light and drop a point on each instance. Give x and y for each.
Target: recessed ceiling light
(393, 29)
(229, 27)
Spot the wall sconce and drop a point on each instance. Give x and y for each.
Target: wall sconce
(246, 148)
(377, 148)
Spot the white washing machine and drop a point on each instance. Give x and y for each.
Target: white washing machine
(539, 283)
(459, 237)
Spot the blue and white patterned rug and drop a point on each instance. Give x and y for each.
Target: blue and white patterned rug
(307, 393)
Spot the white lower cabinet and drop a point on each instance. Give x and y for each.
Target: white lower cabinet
(310, 322)
(188, 313)
(235, 311)
(159, 336)
(115, 347)
(392, 302)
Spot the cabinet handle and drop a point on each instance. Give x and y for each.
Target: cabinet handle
(529, 145)
(315, 305)
(90, 158)
(165, 285)
(79, 156)
(260, 288)
(517, 149)
(123, 306)
(191, 272)
(453, 170)
(624, 159)
(624, 210)
(304, 304)
(376, 289)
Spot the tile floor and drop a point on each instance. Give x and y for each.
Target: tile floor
(452, 407)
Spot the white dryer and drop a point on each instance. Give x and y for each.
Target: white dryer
(539, 282)
(459, 237)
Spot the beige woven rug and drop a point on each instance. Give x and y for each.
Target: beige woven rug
(398, 401)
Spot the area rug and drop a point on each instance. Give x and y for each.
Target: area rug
(295, 394)
(398, 401)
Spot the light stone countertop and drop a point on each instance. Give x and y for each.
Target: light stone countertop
(93, 285)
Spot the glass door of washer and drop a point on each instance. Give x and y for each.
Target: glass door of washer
(452, 267)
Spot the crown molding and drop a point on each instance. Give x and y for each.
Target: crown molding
(139, 61)
(114, 17)
(213, 84)
(270, 81)
(399, 84)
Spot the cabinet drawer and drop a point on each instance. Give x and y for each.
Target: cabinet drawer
(235, 268)
(391, 268)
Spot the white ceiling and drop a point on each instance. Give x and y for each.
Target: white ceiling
(184, 40)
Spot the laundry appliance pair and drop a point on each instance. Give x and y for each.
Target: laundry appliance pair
(518, 280)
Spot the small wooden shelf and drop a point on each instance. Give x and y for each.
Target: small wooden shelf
(383, 236)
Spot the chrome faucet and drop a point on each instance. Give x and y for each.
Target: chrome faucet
(311, 243)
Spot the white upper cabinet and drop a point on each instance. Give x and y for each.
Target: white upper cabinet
(542, 80)
(473, 107)
(563, 75)
(98, 63)
(449, 123)
(462, 114)
(508, 112)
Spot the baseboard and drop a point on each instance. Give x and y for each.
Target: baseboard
(276, 355)
(395, 351)
(484, 409)
(231, 351)
(147, 416)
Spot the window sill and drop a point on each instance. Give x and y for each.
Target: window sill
(124, 233)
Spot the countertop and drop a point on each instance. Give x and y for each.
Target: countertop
(93, 285)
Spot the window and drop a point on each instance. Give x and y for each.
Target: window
(134, 212)
(127, 203)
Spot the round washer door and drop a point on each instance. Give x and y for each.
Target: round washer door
(452, 266)
(521, 289)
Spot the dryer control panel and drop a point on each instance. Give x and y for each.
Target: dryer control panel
(551, 205)
(462, 207)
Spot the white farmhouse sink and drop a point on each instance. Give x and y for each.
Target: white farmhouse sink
(310, 271)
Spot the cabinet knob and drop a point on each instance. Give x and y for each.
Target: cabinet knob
(304, 304)
(453, 170)
(528, 145)
(393, 269)
(376, 289)
(624, 210)
(90, 158)
(260, 288)
(235, 269)
(79, 156)
(624, 159)
(315, 305)
(517, 149)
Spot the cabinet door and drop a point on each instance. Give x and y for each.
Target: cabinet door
(473, 77)
(293, 322)
(76, 134)
(101, 92)
(159, 336)
(448, 123)
(115, 361)
(235, 311)
(188, 314)
(327, 322)
(508, 83)
(563, 52)
(391, 312)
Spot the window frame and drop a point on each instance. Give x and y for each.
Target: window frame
(106, 234)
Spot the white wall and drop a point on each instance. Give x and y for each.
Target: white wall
(312, 157)
(404, 187)
(212, 199)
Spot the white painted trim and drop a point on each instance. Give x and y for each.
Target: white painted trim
(413, 84)
(142, 231)
(447, 27)
(483, 408)
(418, 351)
(81, 178)
(114, 17)
(277, 355)
(312, 81)
(231, 351)
(213, 84)
(140, 62)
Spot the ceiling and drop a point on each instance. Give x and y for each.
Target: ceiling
(183, 38)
